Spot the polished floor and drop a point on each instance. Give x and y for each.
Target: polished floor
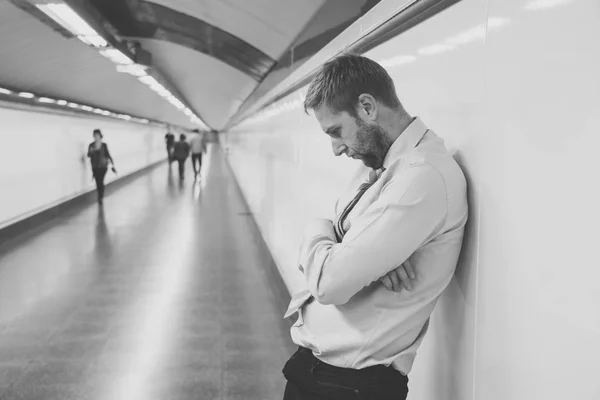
(165, 293)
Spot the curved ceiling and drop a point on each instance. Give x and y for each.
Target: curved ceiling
(38, 60)
(220, 55)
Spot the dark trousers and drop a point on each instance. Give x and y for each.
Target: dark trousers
(181, 167)
(99, 174)
(197, 157)
(311, 379)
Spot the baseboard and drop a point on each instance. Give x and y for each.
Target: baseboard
(37, 222)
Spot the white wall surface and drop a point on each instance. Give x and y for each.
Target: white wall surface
(513, 87)
(43, 157)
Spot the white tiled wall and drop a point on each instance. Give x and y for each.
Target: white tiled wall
(43, 157)
(513, 86)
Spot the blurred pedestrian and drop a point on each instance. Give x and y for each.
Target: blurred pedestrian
(100, 158)
(198, 146)
(181, 151)
(170, 141)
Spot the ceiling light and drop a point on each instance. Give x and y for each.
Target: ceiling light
(73, 105)
(27, 95)
(62, 102)
(496, 22)
(93, 40)
(148, 80)
(435, 49)
(70, 20)
(87, 108)
(537, 5)
(397, 60)
(5, 91)
(133, 69)
(46, 100)
(116, 56)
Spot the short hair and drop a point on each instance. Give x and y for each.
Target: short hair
(97, 132)
(182, 137)
(340, 81)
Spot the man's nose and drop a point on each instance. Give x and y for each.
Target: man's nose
(338, 148)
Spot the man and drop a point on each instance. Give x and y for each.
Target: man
(198, 145)
(374, 273)
(181, 151)
(170, 141)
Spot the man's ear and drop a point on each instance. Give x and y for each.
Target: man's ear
(367, 107)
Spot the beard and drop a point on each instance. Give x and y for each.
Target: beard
(373, 144)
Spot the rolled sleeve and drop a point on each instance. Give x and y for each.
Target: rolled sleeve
(404, 218)
(317, 231)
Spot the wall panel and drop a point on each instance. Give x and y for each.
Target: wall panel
(43, 158)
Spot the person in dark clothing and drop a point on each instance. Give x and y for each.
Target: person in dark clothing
(181, 151)
(170, 141)
(100, 158)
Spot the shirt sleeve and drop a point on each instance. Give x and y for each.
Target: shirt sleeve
(108, 153)
(408, 213)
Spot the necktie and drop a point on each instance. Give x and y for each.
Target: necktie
(338, 226)
(299, 299)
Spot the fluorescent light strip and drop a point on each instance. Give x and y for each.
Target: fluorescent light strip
(132, 69)
(160, 89)
(537, 5)
(27, 95)
(5, 91)
(70, 20)
(94, 40)
(116, 56)
(46, 100)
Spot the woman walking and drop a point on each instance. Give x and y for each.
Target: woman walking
(99, 158)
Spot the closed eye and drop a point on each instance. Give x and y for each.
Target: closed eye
(334, 131)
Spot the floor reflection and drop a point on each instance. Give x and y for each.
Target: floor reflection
(102, 243)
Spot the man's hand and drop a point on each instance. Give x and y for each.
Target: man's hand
(399, 278)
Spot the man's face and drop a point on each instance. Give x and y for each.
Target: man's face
(354, 137)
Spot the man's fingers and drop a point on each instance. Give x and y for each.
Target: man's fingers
(386, 282)
(410, 270)
(396, 284)
(403, 276)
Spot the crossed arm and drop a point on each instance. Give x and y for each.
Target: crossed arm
(407, 214)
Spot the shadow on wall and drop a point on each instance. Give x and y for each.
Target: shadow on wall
(453, 343)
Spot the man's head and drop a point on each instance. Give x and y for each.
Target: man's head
(182, 137)
(355, 102)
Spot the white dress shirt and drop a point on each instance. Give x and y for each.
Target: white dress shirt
(416, 211)
(198, 143)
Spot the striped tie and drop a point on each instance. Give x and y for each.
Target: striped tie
(301, 298)
(338, 226)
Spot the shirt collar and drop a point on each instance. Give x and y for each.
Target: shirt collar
(407, 141)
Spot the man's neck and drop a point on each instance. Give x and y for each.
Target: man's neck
(397, 125)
